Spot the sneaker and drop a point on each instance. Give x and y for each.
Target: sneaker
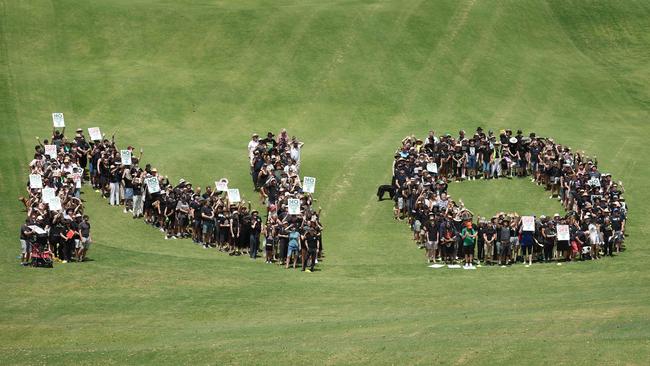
(125, 211)
(64, 261)
(308, 270)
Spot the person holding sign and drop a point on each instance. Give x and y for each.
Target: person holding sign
(527, 239)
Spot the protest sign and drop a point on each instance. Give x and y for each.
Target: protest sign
(294, 206)
(152, 184)
(432, 167)
(594, 182)
(35, 181)
(126, 157)
(563, 232)
(233, 195)
(528, 223)
(309, 184)
(57, 119)
(50, 150)
(222, 185)
(55, 204)
(47, 194)
(37, 229)
(95, 133)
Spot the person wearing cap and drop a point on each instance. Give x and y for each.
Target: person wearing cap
(468, 234)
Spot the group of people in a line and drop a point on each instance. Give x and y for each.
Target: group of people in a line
(596, 209)
(275, 172)
(56, 228)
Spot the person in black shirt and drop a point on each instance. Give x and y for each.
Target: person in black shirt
(310, 243)
(255, 228)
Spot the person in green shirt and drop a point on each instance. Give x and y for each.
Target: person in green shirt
(468, 234)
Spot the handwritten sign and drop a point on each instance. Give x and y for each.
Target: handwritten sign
(293, 206)
(528, 223)
(309, 184)
(95, 133)
(563, 232)
(233, 195)
(126, 157)
(57, 120)
(37, 229)
(153, 186)
(50, 150)
(47, 194)
(432, 167)
(55, 204)
(35, 181)
(222, 185)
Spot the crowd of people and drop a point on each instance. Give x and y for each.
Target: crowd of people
(275, 173)
(208, 216)
(422, 168)
(56, 228)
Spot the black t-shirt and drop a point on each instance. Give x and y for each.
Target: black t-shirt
(84, 227)
(24, 228)
(206, 210)
(312, 241)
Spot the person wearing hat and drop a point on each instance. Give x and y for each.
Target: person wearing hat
(504, 245)
(252, 146)
(468, 234)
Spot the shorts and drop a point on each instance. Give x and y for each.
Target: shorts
(128, 193)
(526, 249)
(400, 203)
(25, 246)
(514, 241)
(431, 245)
(85, 241)
(468, 249)
(207, 227)
(417, 225)
(505, 248)
(291, 250)
(77, 244)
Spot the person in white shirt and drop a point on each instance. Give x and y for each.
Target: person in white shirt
(252, 145)
(296, 146)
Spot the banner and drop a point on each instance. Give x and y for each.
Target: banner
(152, 184)
(95, 133)
(294, 206)
(563, 232)
(50, 150)
(528, 223)
(55, 204)
(57, 119)
(222, 185)
(126, 157)
(432, 167)
(47, 194)
(233, 195)
(35, 181)
(308, 184)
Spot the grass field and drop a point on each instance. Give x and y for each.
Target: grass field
(190, 80)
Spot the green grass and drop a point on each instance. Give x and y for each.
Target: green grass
(190, 80)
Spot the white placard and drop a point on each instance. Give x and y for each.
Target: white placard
(55, 204)
(57, 120)
(432, 167)
(50, 150)
(528, 223)
(309, 184)
(233, 195)
(563, 232)
(594, 182)
(152, 184)
(35, 181)
(293, 206)
(125, 157)
(95, 133)
(47, 194)
(37, 229)
(222, 185)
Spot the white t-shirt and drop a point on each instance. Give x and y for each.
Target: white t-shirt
(252, 145)
(295, 153)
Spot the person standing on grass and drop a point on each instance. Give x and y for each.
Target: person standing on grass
(549, 234)
(207, 221)
(489, 239)
(255, 229)
(526, 243)
(25, 244)
(84, 231)
(294, 245)
(504, 241)
(468, 234)
(311, 245)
